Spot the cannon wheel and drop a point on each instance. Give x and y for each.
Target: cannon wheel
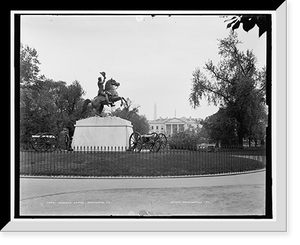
(155, 144)
(163, 141)
(135, 142)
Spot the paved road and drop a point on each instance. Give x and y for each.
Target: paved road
(237, 194)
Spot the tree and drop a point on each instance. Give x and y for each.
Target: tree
(29, 86)
(235, 85)
(69, 98)
(45, 105)
(49, 107)
(29, 65)
(225, 77)
(220, 127)
(131, 113)
(257, 119)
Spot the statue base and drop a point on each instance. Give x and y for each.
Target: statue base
(101, 134)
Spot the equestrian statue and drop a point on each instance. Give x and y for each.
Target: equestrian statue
(106, 96)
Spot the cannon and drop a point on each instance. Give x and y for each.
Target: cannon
(153, 142)
(48, 142)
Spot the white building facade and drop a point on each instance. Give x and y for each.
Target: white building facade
(169, 126)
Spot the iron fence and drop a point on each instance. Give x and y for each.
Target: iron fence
(122, 162)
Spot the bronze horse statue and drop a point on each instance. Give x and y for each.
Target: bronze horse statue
(99, 102)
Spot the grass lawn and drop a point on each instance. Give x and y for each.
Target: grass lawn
(168, 163)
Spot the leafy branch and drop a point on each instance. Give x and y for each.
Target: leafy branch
(248, 21)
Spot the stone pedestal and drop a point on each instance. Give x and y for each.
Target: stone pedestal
(98, 132)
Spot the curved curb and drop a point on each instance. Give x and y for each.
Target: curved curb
(139, 177)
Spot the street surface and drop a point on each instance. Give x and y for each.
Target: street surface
(219, 195)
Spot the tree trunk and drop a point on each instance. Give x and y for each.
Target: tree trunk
(240, 140)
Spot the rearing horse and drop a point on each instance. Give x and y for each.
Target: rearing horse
(99, 102)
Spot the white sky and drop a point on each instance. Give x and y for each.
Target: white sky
(152, 58)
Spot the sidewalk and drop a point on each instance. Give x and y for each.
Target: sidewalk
(219, 195)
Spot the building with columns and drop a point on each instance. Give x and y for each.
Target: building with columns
(169, 126)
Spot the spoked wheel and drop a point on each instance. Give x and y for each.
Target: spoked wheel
(43, 144)
(135, 142)
(155, 143)
(163, 141)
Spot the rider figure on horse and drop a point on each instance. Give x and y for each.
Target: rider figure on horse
(101, 91)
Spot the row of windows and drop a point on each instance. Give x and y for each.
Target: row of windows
(152, 128)
(175, 127)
